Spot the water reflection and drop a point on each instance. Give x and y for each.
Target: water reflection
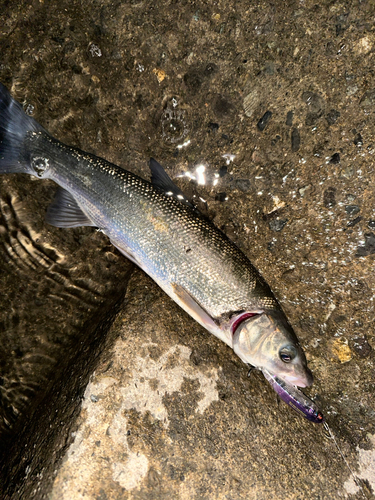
(201, 173)
(186, 143)
(229, 157)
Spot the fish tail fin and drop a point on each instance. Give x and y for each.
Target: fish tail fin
(14, 125)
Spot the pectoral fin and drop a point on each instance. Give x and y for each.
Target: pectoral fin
(65, 212)
(193, 308)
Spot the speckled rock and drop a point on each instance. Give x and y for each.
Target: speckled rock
(169, 411)
(176, 413)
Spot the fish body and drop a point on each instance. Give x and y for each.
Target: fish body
(186, 255)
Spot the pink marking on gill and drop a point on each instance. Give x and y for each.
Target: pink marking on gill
(240, 319)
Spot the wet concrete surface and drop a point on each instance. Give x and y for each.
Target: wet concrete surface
(276, 102)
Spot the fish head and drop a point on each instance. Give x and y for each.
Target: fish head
(267, 341)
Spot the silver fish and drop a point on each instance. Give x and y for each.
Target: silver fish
(154, 226)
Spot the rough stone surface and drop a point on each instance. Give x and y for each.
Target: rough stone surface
(176, 413)
(169, 411)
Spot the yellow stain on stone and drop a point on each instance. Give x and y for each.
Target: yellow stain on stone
(160, 74)
(341, 350)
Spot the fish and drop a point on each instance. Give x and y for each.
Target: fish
(154, 225)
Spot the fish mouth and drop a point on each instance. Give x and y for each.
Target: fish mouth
(298, 380)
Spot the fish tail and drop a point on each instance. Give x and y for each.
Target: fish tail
(15, 124)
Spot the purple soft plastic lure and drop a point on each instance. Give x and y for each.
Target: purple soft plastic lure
(295, 398)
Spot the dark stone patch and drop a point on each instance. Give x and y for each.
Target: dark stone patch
(277, 224)
(332, 116)
(315, 104)
(329, 197)
(354, 221)
(368, 248)
(223, 170)
(335, 158)
(269, 68)
(241, 184)
(289, 118)
(341, 23)
(220, 197)
(193, 80)
(210, 69)
(102, 495)
(214, 127)
(295, 140)
(352, 210)
(367, 100)
(361, 347)
(358, 141)
(222, 107)
(225, 139)
(263, 122)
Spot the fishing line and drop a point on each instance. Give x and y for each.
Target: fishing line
(331, 436)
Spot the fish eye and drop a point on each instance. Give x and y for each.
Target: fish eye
(287, 354)
(40, 165)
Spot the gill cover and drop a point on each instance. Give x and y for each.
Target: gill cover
(267, 342)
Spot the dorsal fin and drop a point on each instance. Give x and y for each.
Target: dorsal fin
(65, 212)
(161, 180)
